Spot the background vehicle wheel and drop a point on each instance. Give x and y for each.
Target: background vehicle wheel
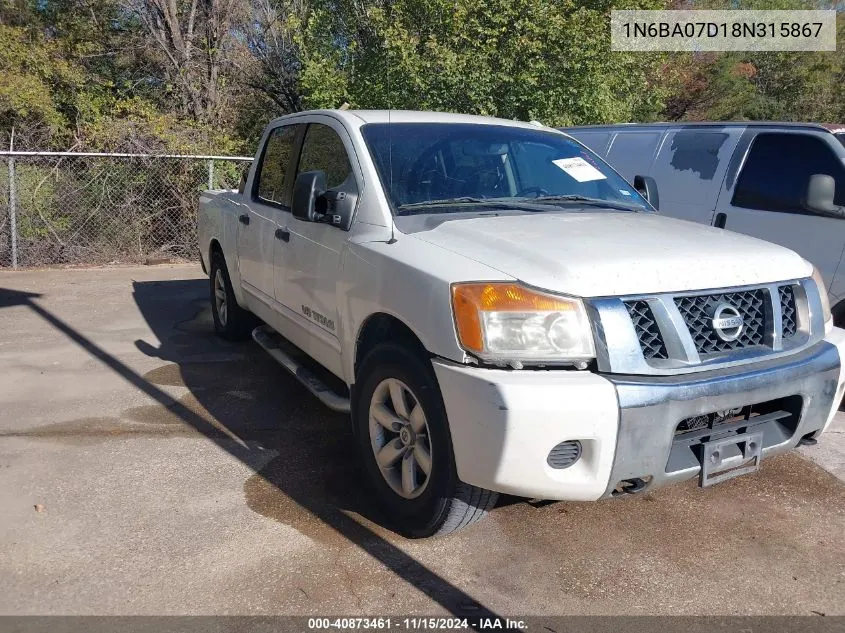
(403, 436)
(231, 322)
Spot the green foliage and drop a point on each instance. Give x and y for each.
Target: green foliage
(763, 85)
(39, 214)
(525, 59)
(137, 125)
(88, 74)
(39, 85)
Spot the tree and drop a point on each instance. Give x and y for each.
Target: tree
(529, 59)
(748, 85)
(40, 90)
(195, 43)
(270, 39)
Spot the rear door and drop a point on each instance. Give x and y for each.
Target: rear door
(766, 199)
(268, 206)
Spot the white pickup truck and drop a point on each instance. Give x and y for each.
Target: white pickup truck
(500, 312)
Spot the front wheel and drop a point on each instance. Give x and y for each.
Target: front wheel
(404, 439)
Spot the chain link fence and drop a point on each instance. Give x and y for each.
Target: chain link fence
(84, 208)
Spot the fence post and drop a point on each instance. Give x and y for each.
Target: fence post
(211, 174)
(13, 216)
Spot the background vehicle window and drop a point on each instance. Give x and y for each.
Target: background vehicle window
(778, 169)
(323, 150)
(274, 166)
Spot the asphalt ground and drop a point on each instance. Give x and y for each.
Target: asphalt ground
(147, 467)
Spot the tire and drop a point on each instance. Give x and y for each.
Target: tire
(441, 503)
(231, 322)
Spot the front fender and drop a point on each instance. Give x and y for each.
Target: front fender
(410, 280)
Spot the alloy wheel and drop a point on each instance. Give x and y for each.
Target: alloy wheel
(399, 438)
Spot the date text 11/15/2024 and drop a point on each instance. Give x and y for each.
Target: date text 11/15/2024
(415, 624)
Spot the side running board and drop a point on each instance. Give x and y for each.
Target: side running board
(268, 339)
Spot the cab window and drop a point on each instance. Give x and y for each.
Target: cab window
(273, 185)
(323, 150)
(424, 163)
(777, 172)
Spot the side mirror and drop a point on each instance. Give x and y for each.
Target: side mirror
(308, 188)
(646, 186)
(820, 195)
(242, 184)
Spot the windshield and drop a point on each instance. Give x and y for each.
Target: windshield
(442, 167)
(841, 137)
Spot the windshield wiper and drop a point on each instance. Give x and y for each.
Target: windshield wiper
(413, 208)
(591, 201)
(521, 204)
(536, 205)
(417, 207)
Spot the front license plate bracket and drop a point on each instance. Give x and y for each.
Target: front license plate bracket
(719, 458)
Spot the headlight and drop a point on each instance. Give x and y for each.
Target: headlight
(506, 322)
(822, 288)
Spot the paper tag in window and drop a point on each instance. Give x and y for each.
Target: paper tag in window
(579, 169)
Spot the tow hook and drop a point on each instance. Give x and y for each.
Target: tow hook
(630, 486)
(807, 440)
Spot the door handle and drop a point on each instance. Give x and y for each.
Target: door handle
(243, 218)
(283, 234)
(721, 220)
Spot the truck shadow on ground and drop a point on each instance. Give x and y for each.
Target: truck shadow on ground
(306, 472)
(244, 396)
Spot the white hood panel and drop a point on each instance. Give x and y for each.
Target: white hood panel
(607, 253)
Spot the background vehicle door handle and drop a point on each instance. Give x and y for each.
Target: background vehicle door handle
(721, 220)
(283, 234)
(243, 218)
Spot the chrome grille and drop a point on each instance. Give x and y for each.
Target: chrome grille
(667, 333)
(789, 314)
(648, 333)
(697, 312)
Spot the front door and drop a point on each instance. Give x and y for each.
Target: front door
(767, 199)
(313, 263)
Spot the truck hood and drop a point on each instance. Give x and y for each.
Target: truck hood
(609, 253)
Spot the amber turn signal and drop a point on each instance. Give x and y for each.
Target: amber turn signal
(470, 300)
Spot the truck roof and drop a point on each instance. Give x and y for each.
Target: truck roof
(362, 117)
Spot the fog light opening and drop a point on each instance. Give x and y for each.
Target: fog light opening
(564, 454)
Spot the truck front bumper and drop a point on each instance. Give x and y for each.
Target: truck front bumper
(504, 424)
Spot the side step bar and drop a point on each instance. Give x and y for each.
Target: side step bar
(265, 337)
